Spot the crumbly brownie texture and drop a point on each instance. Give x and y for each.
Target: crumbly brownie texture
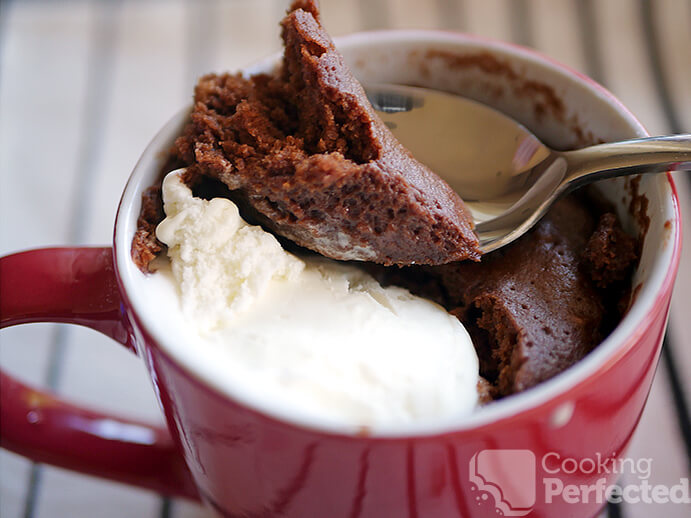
(306, 151)
(609, 252)
(539, 305)
(145, 246)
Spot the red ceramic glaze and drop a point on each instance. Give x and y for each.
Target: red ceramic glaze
(78, 286)
(243, 462)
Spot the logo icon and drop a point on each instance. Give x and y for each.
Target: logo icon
(508, 476)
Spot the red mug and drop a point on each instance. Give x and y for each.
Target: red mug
(220, 449)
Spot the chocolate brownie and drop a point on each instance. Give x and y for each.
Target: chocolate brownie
(539, 305)
(305, 149)
(609, 252)
(145, 246)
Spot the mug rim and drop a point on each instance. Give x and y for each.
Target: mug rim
(547, 394)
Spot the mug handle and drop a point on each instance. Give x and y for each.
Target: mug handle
(78, 286)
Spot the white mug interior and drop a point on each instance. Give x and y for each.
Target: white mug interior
(562, 107)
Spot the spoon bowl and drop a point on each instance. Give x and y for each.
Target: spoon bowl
(506, 176)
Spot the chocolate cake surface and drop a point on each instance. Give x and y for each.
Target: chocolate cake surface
(539, 305)
(306, 151)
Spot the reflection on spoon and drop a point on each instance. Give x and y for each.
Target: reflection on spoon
(507, 176)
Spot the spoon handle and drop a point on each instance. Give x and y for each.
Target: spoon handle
(636, 156)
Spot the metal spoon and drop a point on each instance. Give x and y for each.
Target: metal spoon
(506, 176)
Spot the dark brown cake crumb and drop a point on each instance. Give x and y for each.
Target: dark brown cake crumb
(530, 304)
(145, 246)
(535, 307)
(610, 253)
(306, 150)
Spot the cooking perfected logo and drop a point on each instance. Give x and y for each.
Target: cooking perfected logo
(508, 480)
(508, 476)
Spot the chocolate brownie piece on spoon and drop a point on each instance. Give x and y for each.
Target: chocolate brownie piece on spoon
(305, 150)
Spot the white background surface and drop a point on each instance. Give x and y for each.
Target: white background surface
(85, 84)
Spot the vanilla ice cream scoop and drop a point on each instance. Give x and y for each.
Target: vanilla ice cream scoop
(222, 264)
(309, 334)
